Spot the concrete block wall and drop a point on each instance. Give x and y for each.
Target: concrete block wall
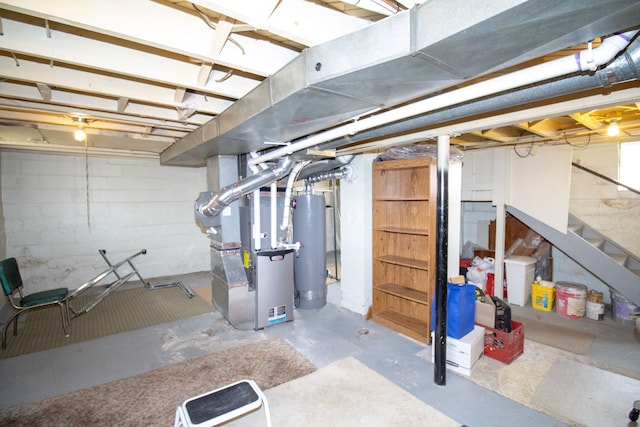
(3, 238)
(60, 210)
(601, 204)
(476, 217)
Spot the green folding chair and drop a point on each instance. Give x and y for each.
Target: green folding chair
(12, 284)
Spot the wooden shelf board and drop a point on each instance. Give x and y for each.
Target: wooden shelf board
(402, 230)
(403, 163)
(401, 199)
(403, 324)
(406, 262)
(406, 293)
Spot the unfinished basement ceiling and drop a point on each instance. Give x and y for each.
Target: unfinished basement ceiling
(182, 81)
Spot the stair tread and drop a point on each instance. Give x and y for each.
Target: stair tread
(576, 228)
(619, 258)
(595, 241)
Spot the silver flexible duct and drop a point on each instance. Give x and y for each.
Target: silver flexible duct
(344, 172)
(233, 192)
(324, 165)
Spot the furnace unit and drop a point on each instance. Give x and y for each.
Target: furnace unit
(274, 287)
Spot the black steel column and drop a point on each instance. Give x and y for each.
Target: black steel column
(442, 208)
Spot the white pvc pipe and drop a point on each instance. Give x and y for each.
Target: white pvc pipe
(257, 239)
(293, 176)
(585, 60)
(274, 214)
(256, 220)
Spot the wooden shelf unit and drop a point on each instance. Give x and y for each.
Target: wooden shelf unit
(404, 199)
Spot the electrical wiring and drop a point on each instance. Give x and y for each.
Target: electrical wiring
(211, 24)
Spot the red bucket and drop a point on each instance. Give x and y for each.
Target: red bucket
(571, 300)
(491, 284)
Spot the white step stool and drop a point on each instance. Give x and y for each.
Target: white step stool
(221, 405)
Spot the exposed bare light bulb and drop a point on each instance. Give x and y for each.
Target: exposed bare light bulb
(79, 135)
(613, 129)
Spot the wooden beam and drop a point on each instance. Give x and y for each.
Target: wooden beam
(45, 91)
(179, 95)
(122, 104)
(223, 31)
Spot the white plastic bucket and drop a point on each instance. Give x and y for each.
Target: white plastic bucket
(595, 305)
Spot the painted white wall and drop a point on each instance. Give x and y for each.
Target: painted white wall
(355, 230)
(485, 178)
(601, 204)
(476, 216)
(540, 183)
(55, 233)
(598, 203)
(454, 218)
(478, 177)
(603, 207)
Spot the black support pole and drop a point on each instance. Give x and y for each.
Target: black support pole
(442, 207)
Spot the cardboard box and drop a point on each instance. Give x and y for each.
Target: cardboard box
(463, 353)
(486, 313)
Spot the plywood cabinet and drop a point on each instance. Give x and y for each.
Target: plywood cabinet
(403, 245)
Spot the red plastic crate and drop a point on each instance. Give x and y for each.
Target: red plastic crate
(504, 346)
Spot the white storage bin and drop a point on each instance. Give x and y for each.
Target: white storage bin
(463, 353)
(521, 272)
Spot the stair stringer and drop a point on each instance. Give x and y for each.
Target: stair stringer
(591, 258)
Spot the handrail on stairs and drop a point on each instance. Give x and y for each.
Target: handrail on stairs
(606, 178)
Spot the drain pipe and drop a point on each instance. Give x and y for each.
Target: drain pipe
(293, 177)
(274, 214)
(257, 240)
(586, 60)
(233, 192)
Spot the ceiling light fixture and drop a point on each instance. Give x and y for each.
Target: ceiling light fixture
(79, 134)
(613, 129)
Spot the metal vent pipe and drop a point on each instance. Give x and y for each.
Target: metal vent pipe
(344, 172)
(233, 192)
(324, 165)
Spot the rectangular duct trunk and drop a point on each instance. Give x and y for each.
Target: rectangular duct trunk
(434, 46)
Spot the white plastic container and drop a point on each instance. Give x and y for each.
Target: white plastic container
(521, 272)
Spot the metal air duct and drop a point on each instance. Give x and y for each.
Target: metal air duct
(624, 68)
(344, 172)
(434, 46)
(211, 204)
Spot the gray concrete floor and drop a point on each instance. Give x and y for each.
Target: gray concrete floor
(322, 335)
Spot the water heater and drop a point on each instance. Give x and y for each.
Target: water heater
(309, 228)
